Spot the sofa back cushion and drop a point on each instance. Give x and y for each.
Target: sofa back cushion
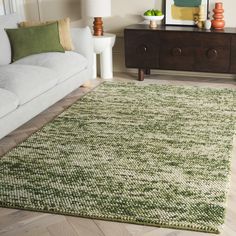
(8, 21)
(65, 64)
(63, 27)
(34, 40)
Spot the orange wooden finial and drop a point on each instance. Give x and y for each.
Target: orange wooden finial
(98, 26)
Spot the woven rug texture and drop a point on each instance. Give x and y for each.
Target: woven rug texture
(130, 152)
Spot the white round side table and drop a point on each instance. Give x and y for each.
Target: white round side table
(103, 46)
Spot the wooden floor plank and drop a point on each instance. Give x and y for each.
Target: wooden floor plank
(15, 217)
(62, 229)
(25, 232)
(85, 226)
(112, 228)
(31, 224)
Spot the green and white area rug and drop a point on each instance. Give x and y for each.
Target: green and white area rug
(147, 154)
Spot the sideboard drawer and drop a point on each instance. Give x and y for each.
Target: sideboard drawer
(142, 49)
(212, 53)
(177, 51)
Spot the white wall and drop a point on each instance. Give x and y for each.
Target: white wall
(229, 14)
(124, 12)
(53, 9)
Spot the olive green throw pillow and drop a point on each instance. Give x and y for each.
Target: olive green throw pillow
(33, 40)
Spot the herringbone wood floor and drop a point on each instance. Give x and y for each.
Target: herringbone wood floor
(24, 223)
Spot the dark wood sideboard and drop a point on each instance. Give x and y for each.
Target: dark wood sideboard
(180, 48)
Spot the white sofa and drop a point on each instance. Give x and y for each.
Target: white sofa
(32, 84)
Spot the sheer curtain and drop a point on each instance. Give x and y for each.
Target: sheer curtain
(2, 9)
(19, 8)
(12, 6)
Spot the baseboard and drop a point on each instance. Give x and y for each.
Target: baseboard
(183, 73)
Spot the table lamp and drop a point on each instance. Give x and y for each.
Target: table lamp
(98, 9)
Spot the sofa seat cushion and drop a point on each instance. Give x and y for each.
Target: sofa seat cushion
(25, 81)
(8, 102)
(64, 64)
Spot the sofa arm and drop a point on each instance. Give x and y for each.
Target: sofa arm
(83, 43)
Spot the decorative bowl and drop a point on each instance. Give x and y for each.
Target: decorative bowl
(156, 18)
(153, 20)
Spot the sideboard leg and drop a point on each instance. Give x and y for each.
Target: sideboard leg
(147, 71)
(140, 74)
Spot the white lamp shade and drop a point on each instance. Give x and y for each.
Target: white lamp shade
(98, 8)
